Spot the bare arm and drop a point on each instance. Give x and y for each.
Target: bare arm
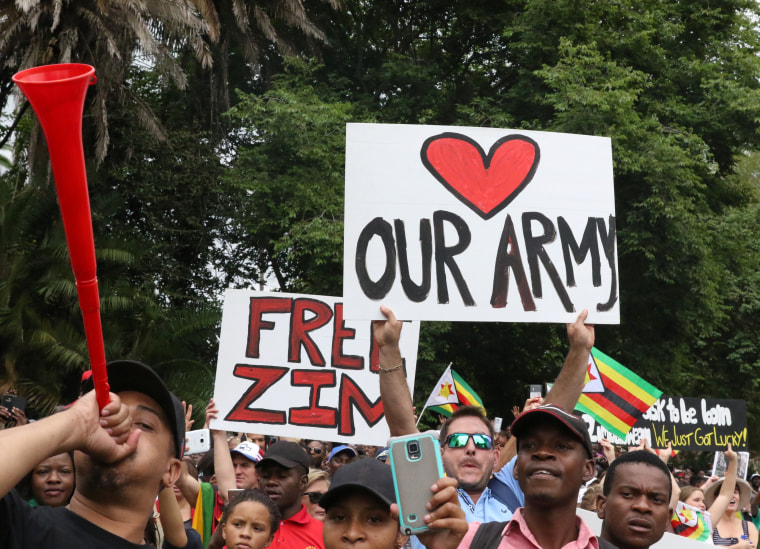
(394, 392)
(727, 489)
(223, 467)
(106, 435)
(510, 448)
(508, 452)
(171, 518)
(568, 386)
(188, 486)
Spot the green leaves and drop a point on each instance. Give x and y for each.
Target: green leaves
(288, 172)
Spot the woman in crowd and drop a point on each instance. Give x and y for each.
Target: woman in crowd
(317, 485)
(729, 528)
(50, 483)
(712, 501)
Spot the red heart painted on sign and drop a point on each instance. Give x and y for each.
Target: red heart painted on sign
(485, 183)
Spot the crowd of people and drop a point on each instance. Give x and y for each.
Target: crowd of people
(117, 477)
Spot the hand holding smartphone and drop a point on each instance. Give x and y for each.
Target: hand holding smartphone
(415, 461)
(197, 442)
(10, 401)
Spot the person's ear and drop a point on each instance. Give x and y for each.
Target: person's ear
(589, 469)
(173, 470)
(224, 533)
(400, 540)
(304, 482)
(601, 501)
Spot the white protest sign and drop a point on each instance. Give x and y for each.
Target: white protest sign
(479, 224)
(289, 365)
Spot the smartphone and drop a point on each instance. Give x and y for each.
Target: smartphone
(197, 442)
(535, 391)
(415, 462)
(232, 493)
(13, 401)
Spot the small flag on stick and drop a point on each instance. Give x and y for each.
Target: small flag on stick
(450, 393)
(614, 395)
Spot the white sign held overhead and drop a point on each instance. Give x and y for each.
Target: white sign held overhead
(479, 224)
(290, 365)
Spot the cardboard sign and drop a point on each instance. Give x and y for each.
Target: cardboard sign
(720, 464)
(479, 224)
(707, 424)
(290, 365)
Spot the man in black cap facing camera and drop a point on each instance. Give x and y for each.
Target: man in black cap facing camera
(283, 475)
(124, 454)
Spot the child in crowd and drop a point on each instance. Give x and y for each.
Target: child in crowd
(250, 521)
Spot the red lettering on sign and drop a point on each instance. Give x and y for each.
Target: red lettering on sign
(340, 332)
(313, 415)
(259, 306)
(300, 328)
(263, 378)
(351, 395)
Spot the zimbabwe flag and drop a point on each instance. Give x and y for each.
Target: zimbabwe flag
(690, 522)
(614, 395)
(450, 393)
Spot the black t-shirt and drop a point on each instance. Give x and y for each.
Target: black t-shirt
(25, 527)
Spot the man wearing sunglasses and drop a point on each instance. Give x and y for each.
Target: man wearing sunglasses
(467, 436)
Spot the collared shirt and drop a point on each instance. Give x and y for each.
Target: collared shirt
(301, 531)
(486, 509)
(517, 535)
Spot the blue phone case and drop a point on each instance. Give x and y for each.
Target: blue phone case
(413, 475)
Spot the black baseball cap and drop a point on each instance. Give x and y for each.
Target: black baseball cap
(286, 453)
(548, 412)
(367, 474)
(130, 375)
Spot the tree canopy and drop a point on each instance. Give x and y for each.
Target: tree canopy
(188, 200)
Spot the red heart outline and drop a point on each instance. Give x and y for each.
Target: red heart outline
(485, 183)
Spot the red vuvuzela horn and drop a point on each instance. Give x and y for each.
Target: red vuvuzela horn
(57, 93)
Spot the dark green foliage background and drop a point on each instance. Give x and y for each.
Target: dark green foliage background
(254, 195)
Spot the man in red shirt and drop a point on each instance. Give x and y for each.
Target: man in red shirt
(283, 475)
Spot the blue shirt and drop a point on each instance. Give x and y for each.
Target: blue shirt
(507, 478)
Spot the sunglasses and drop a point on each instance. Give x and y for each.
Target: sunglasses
(460, 440)
(314, 497)
(315, 451)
